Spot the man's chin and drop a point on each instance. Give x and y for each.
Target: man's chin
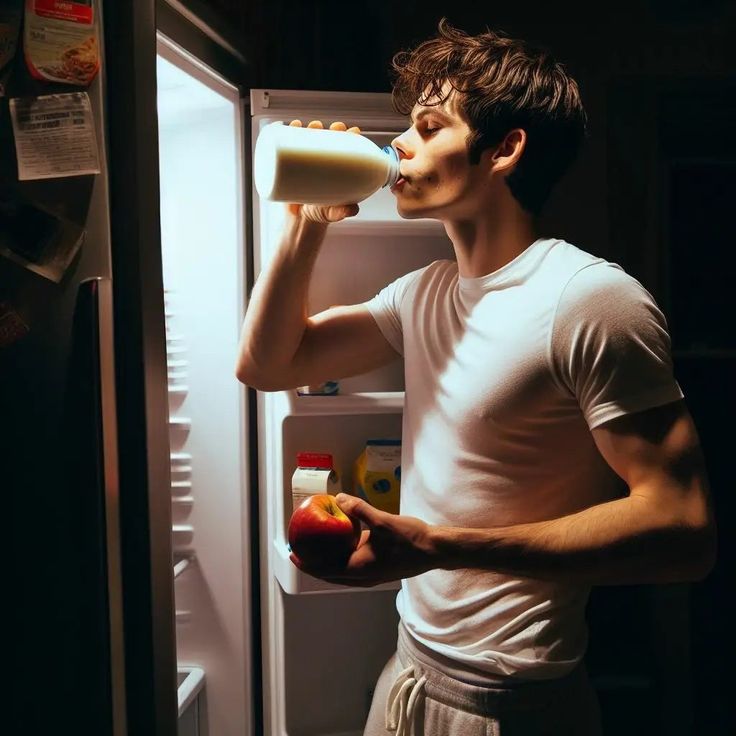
(409, 213)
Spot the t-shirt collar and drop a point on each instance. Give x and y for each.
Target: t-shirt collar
(514, 272)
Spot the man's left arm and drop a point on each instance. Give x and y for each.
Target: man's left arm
(663, 531)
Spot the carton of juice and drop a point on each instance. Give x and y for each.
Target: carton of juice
(377, 474)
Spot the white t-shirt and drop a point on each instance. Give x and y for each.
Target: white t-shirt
(506, 374)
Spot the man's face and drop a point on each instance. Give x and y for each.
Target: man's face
(438, 180)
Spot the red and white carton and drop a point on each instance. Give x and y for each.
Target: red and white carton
(315, 473)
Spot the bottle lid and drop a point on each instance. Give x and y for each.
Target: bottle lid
(393, 171)
(315, 460)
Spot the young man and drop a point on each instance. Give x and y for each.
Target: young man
(538, 377)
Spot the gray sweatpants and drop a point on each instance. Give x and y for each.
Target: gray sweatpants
(413, 697)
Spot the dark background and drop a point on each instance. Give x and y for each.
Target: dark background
(653, 190)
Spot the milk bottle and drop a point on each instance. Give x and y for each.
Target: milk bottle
(316, 166)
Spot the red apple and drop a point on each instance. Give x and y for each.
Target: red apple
(321, 534)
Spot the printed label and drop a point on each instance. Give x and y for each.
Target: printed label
(60, 40)
(54, 136)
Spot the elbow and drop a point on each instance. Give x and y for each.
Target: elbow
(706, 552)
(243, 372)
(248, 375)
(242, 376)
(701, 553)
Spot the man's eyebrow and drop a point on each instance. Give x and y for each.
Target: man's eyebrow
(424, 111)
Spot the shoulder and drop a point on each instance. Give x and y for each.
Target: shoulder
(603, 289)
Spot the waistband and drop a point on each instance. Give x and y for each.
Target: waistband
(475, 691)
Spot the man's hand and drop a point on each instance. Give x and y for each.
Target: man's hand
(391, 548)
(324, 214)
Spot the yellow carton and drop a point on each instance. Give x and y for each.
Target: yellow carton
(377, 474)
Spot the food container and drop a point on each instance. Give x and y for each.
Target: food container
(377, 474)
(315, 473)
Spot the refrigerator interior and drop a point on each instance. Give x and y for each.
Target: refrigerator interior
(324, 646)
(200, 151)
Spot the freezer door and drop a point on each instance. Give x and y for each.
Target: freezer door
(140, 349)
(93, 469)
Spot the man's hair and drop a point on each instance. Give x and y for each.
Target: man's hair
(501, 84)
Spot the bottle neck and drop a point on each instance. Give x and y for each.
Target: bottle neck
(393, 167)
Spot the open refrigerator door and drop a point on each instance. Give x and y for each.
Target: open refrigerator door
(200, 163)
(325, 644)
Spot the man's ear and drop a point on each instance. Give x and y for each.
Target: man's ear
(509, 151)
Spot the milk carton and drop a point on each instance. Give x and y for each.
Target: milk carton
(315, 473)
(377, 474)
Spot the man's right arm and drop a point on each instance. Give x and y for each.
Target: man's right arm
(281, 346)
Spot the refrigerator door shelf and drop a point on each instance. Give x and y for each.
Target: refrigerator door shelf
(182, 564)
(385, 402)
(295, 582)
(190, 682)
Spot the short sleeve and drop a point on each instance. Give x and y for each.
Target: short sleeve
(609, 345)
(386, 308)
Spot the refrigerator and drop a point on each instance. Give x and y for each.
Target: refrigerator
(325, 645)
(151, 491)
(125, 444)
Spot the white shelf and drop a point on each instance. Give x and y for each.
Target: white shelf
(182, 565)
(294, 581)
(190, 681)
(387, 402)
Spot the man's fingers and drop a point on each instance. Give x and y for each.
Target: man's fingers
(337, 125)
(360, 509)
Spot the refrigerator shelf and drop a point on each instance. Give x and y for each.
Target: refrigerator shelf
(386, 402)
(295, 582)
(182, 565)
(190, 681)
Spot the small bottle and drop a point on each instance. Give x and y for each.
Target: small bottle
(315, 473)
(316, 166)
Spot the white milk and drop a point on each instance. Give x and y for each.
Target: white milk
(316, 166)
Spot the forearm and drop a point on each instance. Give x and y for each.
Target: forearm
(620, 542)
(277, 311)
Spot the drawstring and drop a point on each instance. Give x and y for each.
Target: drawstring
(402, 701)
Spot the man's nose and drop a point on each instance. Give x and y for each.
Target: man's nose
(400, 145)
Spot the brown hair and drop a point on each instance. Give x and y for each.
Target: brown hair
(502, 84)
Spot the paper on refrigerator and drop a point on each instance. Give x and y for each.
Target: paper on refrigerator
(54, 136)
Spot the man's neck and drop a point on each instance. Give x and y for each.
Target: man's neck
(485, 244)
